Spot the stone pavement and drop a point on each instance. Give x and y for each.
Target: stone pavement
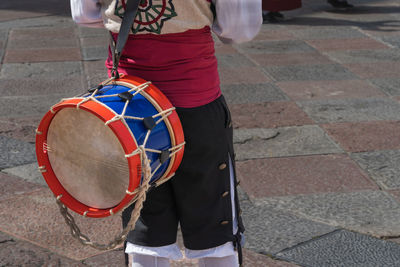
(316, 107)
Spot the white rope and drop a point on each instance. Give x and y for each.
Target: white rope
(139, 88)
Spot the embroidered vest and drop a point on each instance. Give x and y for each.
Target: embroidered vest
(159, 16)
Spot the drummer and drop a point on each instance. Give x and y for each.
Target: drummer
(173, 47)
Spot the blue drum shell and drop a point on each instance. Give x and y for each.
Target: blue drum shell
(139, 106)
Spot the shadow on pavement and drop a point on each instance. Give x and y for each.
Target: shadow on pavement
(10, 9)
(349, 17)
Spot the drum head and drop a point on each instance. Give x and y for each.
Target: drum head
(87, 158)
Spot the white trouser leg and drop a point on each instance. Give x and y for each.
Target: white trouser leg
(228, 261)
(140, 260)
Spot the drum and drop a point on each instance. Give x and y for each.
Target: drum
(90, 148)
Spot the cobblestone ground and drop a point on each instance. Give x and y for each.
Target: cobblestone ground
(315, 102)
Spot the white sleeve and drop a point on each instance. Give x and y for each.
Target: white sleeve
(87, 13)
(237, 21)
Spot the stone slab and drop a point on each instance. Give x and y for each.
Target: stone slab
(252, 93)
(301, 175)
(84, 32)
(42, 55)
(396, 194)
(270, 47)
(381, 34)
(42, 78)
(395, 240)
(326, 32)
(16, 252)
(346, 44)
(1, 56)
(57, 21)
(344, 248)
(310, 72)
(94, 41)
(4, 35)
(95, 72)
(351, 110)
(282, 142)
(376, 213)
(244, 75)
(269, 231)
(23, 106)
(365, 56)
(42, 70)
(15, 152)
(36, 33)
(376, 70)
(391, 86)
(10, 15)
(294, 59)
(365, 136)
(268, 115)
(28, 172)
(266, 34)
(233, 61)
(23, 129)
(253, 259)
(382, 166)
(11, 186)
(394, 41)
(42, 38)
(224, 49)
(112, 258)
(35, 217)
(310, 90)
(95, 52)
(42, 86)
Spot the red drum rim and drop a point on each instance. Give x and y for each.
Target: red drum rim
(122, 133)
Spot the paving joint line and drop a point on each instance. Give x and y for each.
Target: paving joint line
(5, 48)
(313, 239)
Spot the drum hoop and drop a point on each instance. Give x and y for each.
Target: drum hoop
(129, 145)
(106, 114)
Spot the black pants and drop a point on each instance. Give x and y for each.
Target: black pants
(198, 197)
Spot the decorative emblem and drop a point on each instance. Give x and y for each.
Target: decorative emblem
(151, 15)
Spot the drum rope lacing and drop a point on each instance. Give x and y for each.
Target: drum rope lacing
(146, 169)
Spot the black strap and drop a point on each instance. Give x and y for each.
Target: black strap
(131, 9)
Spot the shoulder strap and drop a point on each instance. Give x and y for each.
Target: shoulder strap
(132, 7)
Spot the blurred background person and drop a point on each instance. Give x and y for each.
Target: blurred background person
(340, 4)
(272, 8)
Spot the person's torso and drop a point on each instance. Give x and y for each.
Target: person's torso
(173, 48)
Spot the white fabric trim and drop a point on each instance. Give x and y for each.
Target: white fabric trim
(87, 13)
(173, 252)
(237, 21)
